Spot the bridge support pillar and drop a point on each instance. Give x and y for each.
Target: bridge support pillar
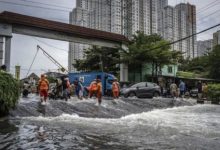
(5, 44)
(123, 72)
(124, 69)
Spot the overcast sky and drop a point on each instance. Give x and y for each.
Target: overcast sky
(24, 47)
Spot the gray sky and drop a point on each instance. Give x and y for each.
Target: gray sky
(24, 47)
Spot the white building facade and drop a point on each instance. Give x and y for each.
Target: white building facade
(216, 38)
(166, 29)
(184, 26)
(204, 47)
(79, 16)
(118, 16)
(177, 23)
(129, 16)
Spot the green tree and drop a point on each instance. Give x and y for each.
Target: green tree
(214, 62)
(99, 59)
(148, 49)
(198, 64)
(9, 92)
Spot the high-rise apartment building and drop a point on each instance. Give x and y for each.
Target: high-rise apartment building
(176, 23)
(184, 26)
(204, 47)
(119, 16)
(123, 16)
(161, 5)
(142, 15)
(167, 22)
(79, 16)
(216, 38)
(129, 16)
(82, 4)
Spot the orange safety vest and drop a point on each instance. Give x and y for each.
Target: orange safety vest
(93, 86)
(99, 87)
(43, 84)
(115, 86)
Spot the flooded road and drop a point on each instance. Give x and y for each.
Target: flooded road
(129, 124)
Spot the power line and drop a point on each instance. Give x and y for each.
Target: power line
(208, 15)
(63, 10)
(25, 69)
(47, 8)
(32, 63)
(54, 9)
(185, 37)
(51, 45)
(207, 6)
(53, 5)
(60, 49)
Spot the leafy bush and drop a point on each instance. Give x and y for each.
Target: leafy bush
(214, 92)
(185, 74)
(9, 92)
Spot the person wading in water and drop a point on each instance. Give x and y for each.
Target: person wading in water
(115, 89)
(93, 88)
(43, 87)
(99, 91)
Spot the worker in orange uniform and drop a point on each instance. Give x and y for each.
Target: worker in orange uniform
(115, 89)
(93, 88)
(99, 91)
(43, 86)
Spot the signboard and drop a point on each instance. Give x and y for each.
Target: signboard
(17, 72)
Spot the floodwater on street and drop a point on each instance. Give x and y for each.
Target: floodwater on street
(126, 125)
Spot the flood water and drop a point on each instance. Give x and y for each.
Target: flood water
(129, 124)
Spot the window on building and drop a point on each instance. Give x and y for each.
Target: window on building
(170, 69)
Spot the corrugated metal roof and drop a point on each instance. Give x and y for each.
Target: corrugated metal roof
(19, 19)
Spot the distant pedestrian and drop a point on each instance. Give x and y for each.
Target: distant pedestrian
(65, 88)
(75, 83)
(199, 87)
(26, 87)
(204, 90)
(93, 88)
(161, 83)
(115, 88)
(59, 88)
(99, 91)
(182, 88)
(168, 91)
(81, 89)
(43, 87)
(173, 89)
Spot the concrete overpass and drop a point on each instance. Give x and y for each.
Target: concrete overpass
(33, 26)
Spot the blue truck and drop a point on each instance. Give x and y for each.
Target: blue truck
(88, 77)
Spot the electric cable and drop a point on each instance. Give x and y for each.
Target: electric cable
(53, 5)
(207, 6)
(41, 7)
(199, 19)
(32, 62)
(177, 41)
(51, 45)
